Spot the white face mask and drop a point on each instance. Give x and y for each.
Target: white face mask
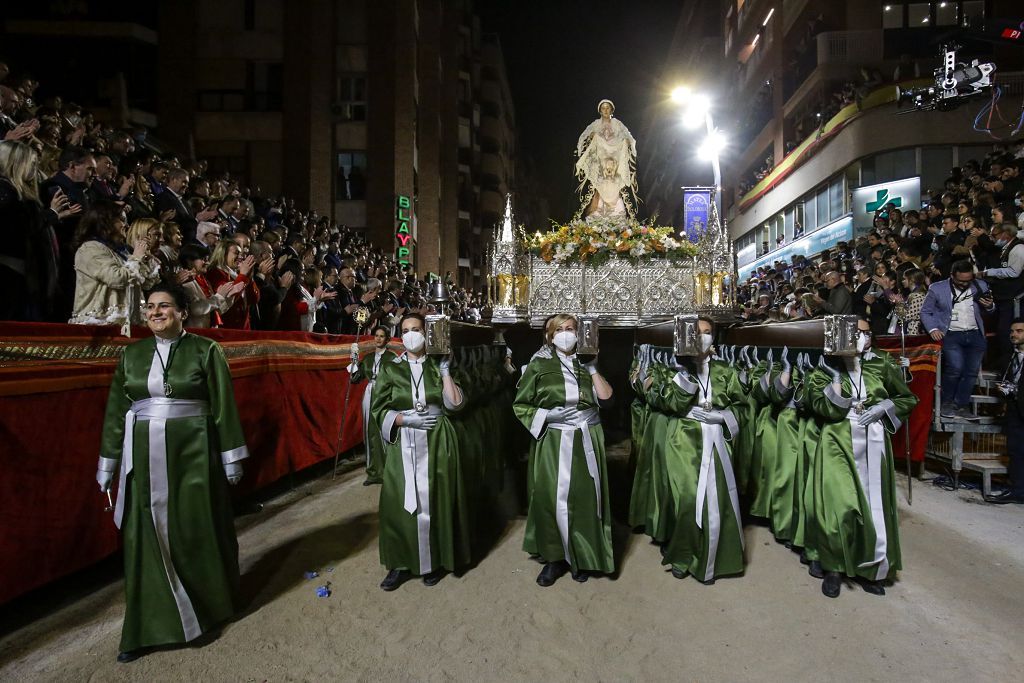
(863, 342)
(705, 343)
(413, 340)
(565, 340)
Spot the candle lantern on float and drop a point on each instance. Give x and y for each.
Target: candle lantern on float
(508, 284)
(714, 271)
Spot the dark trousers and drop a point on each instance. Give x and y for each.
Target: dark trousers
(1014, 431)
(961, 360)
(1004, 316)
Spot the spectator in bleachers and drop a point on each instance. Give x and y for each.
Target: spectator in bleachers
(28, 254)
(226, 266)
(109, 274)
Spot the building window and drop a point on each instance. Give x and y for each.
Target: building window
(350, 182)
(919, 15)
(892, 16)
(973, 14)
(351, 104)
(945, 14)
(836, 199)
(264, 86)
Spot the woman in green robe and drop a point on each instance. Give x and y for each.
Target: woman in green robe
(424, 520)
(172, 438)
(852, 516)
(707, 537)
(568, 524)
(367, 369)
(788, 474)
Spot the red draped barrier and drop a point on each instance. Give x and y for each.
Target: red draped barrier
(924, 357)
(54, 379)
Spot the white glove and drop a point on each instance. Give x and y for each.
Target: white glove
(233, 470)
(591, 366)
(871, 415)
(353, 368)
(904, 362)
(744, 357)
(105, 473)
(416, 421)
(445, 366)
(566, 414)
(833, 373)
(784, 359)
(708, 417)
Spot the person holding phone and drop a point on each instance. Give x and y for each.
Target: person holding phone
(952, 314)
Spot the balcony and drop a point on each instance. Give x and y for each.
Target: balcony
(837, 55)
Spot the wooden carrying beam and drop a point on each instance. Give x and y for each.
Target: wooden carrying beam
(799, 334)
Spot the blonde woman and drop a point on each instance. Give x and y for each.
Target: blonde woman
(106, 281)
(151, 230)
(568, 525)
(28, 259)
(226, 266)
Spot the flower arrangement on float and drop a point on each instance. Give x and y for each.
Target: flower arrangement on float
(598, 240)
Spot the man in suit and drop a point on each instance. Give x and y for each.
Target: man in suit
(1011, 388)
(951, 314)
(170, 200)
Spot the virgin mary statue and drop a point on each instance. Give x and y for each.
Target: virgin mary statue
(606, 167)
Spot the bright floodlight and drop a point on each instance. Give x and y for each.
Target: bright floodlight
(696, 109)
(712, 146)
(680, 94)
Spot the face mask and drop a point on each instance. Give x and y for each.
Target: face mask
(1001, 243)
(863, 342)
(705, 343)
(413, 340)
(565, 340)
(1020, 234)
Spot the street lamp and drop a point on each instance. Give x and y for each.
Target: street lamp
(698, 110)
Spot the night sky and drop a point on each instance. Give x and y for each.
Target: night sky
(562, 58)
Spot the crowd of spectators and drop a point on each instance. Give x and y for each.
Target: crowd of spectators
(94, 215)
(974, 222)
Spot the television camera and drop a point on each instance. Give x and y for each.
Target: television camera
(955, 82)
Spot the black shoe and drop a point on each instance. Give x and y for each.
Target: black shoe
(873, 587)
(551, 572)
(129, 656)
(433, 578)
(368, 482)
(709, 582)
(815, 570)
(1005, 497)
(580, 576)
(803, 557)
(678, 573)
(832, 584)
(394, 579)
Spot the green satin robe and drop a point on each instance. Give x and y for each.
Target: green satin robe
(840, 523)
(788, 474)
(178, 520)
(588, 522)
(763, 479)
(688, 547)
(375, 453)
(443, 525)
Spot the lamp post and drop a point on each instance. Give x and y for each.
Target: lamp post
(698, 110)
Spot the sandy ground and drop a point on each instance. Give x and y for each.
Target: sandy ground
(957, 612)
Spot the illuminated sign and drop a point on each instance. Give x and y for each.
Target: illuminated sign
(404, 242)
(696, 211)
(903, 194)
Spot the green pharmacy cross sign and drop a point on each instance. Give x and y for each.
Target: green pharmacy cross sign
(881, 199)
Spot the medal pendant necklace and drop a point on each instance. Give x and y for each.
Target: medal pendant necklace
(165, 367)
(858, 406)
(705, 389)
(419, 405)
